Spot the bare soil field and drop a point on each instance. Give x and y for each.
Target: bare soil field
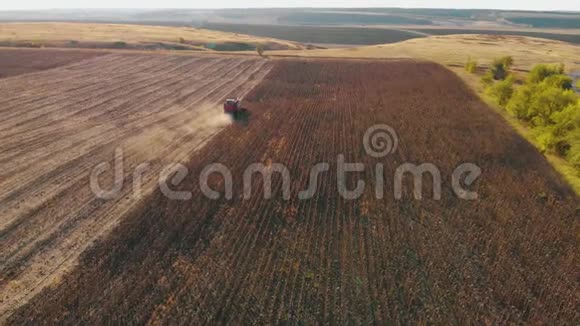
(21, 61)
(508, 257)
(58, 124)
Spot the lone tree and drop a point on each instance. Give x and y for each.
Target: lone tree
(500, 67)
(260, 49)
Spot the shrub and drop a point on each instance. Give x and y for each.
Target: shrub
(543, 71)
(502, 91)
(498, 71)
(567, 130)
(548, 101)
(471, 66)
(562, 136)
(545, 138)
(119, 45)
(500, 67)
(520, 102)
(182, 40)
(558, 81)
(508, 61)
(487, 79)
(573, 154)
(568, 119)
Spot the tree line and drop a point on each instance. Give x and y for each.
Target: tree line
(544, 101)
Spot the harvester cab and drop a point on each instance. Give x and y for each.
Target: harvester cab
(232, 106)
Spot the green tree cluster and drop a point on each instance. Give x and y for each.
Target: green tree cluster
(499, 70)
(502, 91)
(549, 106)
(541, 72)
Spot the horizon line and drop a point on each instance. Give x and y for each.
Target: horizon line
(315, 7)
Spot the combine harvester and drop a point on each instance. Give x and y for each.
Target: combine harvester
(233, 106)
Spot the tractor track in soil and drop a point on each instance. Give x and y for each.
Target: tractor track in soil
(327, 259)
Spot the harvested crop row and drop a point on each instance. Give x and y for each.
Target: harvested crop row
(157, 109)
(327, 259)
(15, 62)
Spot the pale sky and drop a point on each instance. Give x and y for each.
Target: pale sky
(569, 5)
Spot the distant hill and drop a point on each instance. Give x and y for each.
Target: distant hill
(120, 36)
(309, 16)
(332, 25)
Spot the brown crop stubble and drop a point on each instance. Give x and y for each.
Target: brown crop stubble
(58, 124)
(21, 61)
(510, 256)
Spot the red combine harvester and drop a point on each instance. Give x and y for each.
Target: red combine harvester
(232, 106)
